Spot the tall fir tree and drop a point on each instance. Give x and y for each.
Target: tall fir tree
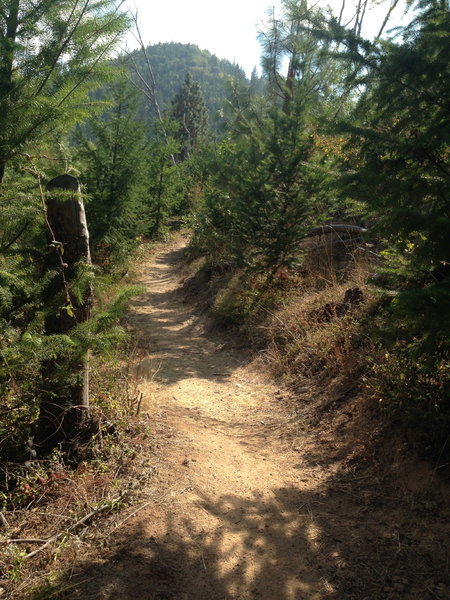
(190, 112)
(271, 178)
(51, 55)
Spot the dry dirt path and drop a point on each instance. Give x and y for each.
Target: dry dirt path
(242, 506)
(230, 526)
(232, 522)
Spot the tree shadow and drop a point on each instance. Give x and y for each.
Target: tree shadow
(171, 332)
(290, 544)
(268, 549)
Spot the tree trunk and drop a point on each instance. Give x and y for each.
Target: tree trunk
(159, 201)
(7, 56)
(63, 409)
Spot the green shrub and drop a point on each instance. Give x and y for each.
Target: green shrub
(415, 390)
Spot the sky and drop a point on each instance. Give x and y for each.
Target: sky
(227, 28)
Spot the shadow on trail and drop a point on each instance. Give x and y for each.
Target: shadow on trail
(259, 549)
(291, 545)
(170, 334)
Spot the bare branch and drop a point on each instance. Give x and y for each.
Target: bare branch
(392, 7)
(22, 541)
(76, 525)
(151, 88)
(15, 237)
(342, 12)
(361, 18)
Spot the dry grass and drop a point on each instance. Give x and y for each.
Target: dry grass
(308, 324)
(313, 322)
(310, 337)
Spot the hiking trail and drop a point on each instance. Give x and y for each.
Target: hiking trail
(241, 506)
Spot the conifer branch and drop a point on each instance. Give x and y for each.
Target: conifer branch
(64, 44)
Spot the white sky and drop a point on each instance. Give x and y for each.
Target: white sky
(227, 28)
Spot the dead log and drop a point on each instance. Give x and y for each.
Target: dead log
(352, 230)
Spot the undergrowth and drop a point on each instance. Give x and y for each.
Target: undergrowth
(414, 391)
(44, 497)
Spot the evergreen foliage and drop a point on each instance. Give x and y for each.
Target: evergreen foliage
(51, 55)
(113, 149)
(189, 111)
(167, 182)
(271, 184)
(401, 170)
(397, 166)
(170, 63)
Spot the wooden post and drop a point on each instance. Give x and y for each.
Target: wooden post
(62, 411)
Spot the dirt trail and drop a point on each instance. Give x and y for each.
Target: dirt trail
(240, 508)
(229, 527)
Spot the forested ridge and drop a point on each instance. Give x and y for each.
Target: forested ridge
(170, 63)
(315, 200)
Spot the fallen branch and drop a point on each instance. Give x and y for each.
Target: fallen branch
(140, 398)
(134, 513)
(336, 228)
(4, 520)
(22, 541)
(140, 508)
(76, 525)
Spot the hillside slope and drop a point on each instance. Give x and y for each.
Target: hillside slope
(170, 63)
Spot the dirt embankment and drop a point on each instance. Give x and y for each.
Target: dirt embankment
(250, 501)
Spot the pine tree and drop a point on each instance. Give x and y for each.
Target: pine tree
(51, 54)
(257, 84)
(271, 181)
(189, 111)
(400, 142)
(113, 150)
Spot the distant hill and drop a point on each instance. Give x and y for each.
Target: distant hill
(170, 63)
